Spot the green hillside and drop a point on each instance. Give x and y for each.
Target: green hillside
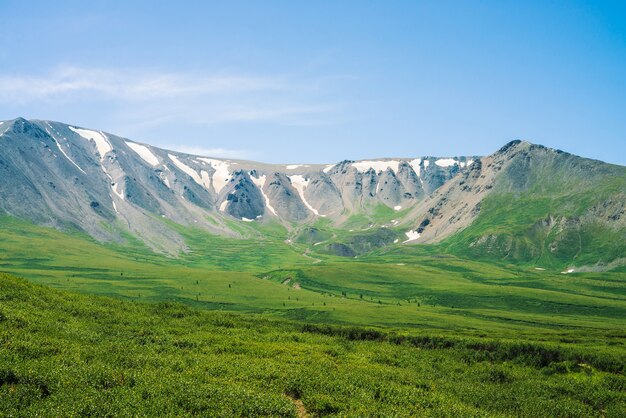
(550, 208)
(404, 288)
(65, 354)
(544, 208)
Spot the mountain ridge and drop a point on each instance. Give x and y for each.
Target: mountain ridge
(154, 179)
(71, 177)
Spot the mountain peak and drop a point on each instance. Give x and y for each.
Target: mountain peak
(517, 143)
(23, 126)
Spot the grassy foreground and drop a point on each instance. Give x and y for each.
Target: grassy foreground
(67, 354)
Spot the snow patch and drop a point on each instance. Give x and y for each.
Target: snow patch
(144, 152)
(68, 157)
(397, 208)
(115, 207)
(223, 205)
(247, 220)
(412, 235)
(206, 180)
(568, 271)
(189, 171)
(363, 166)
(113, 184)
(163, 176)
(446, 162)
(61, 149)
(426, 163)
(294, 166)
(300, 183)
(260, 183)
(396, 241)
(102, 143)
(221, 175)
(328, 168)
(117, 189)
(415, 164)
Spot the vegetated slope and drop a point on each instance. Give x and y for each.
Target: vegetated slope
(63, 354)
(405, 287)
(533, 204)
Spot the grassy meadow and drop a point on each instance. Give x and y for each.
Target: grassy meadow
(264, 327)
(402, 287)
(68, 354)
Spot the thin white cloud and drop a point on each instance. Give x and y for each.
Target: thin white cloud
(148, 98)
(131, 85)
(210, 152)
(210, 113)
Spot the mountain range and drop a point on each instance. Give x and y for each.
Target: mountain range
(524, 202)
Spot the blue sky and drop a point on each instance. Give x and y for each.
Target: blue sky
(324, 81)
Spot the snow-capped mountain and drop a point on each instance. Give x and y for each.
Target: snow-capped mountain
(71, 177)
(524, 201)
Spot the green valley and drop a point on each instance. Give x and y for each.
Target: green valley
(415, 288)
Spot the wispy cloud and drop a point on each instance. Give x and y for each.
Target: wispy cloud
(150, 98)
(173, 106)
(210, 152)
(132, 85)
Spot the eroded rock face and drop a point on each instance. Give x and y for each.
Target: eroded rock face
(53, 173)
(412, 186)
(285, 198)
(324, 195)
(244, 199)
(389, 189)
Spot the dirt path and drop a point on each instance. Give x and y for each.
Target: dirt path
(300, 410)
(308, 251)
(315, 260)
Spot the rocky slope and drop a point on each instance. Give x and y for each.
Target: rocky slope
(527, 202)
(74, 178)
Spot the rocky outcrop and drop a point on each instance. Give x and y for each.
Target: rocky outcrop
(323, 194)
(243, 199)
(284, 198)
